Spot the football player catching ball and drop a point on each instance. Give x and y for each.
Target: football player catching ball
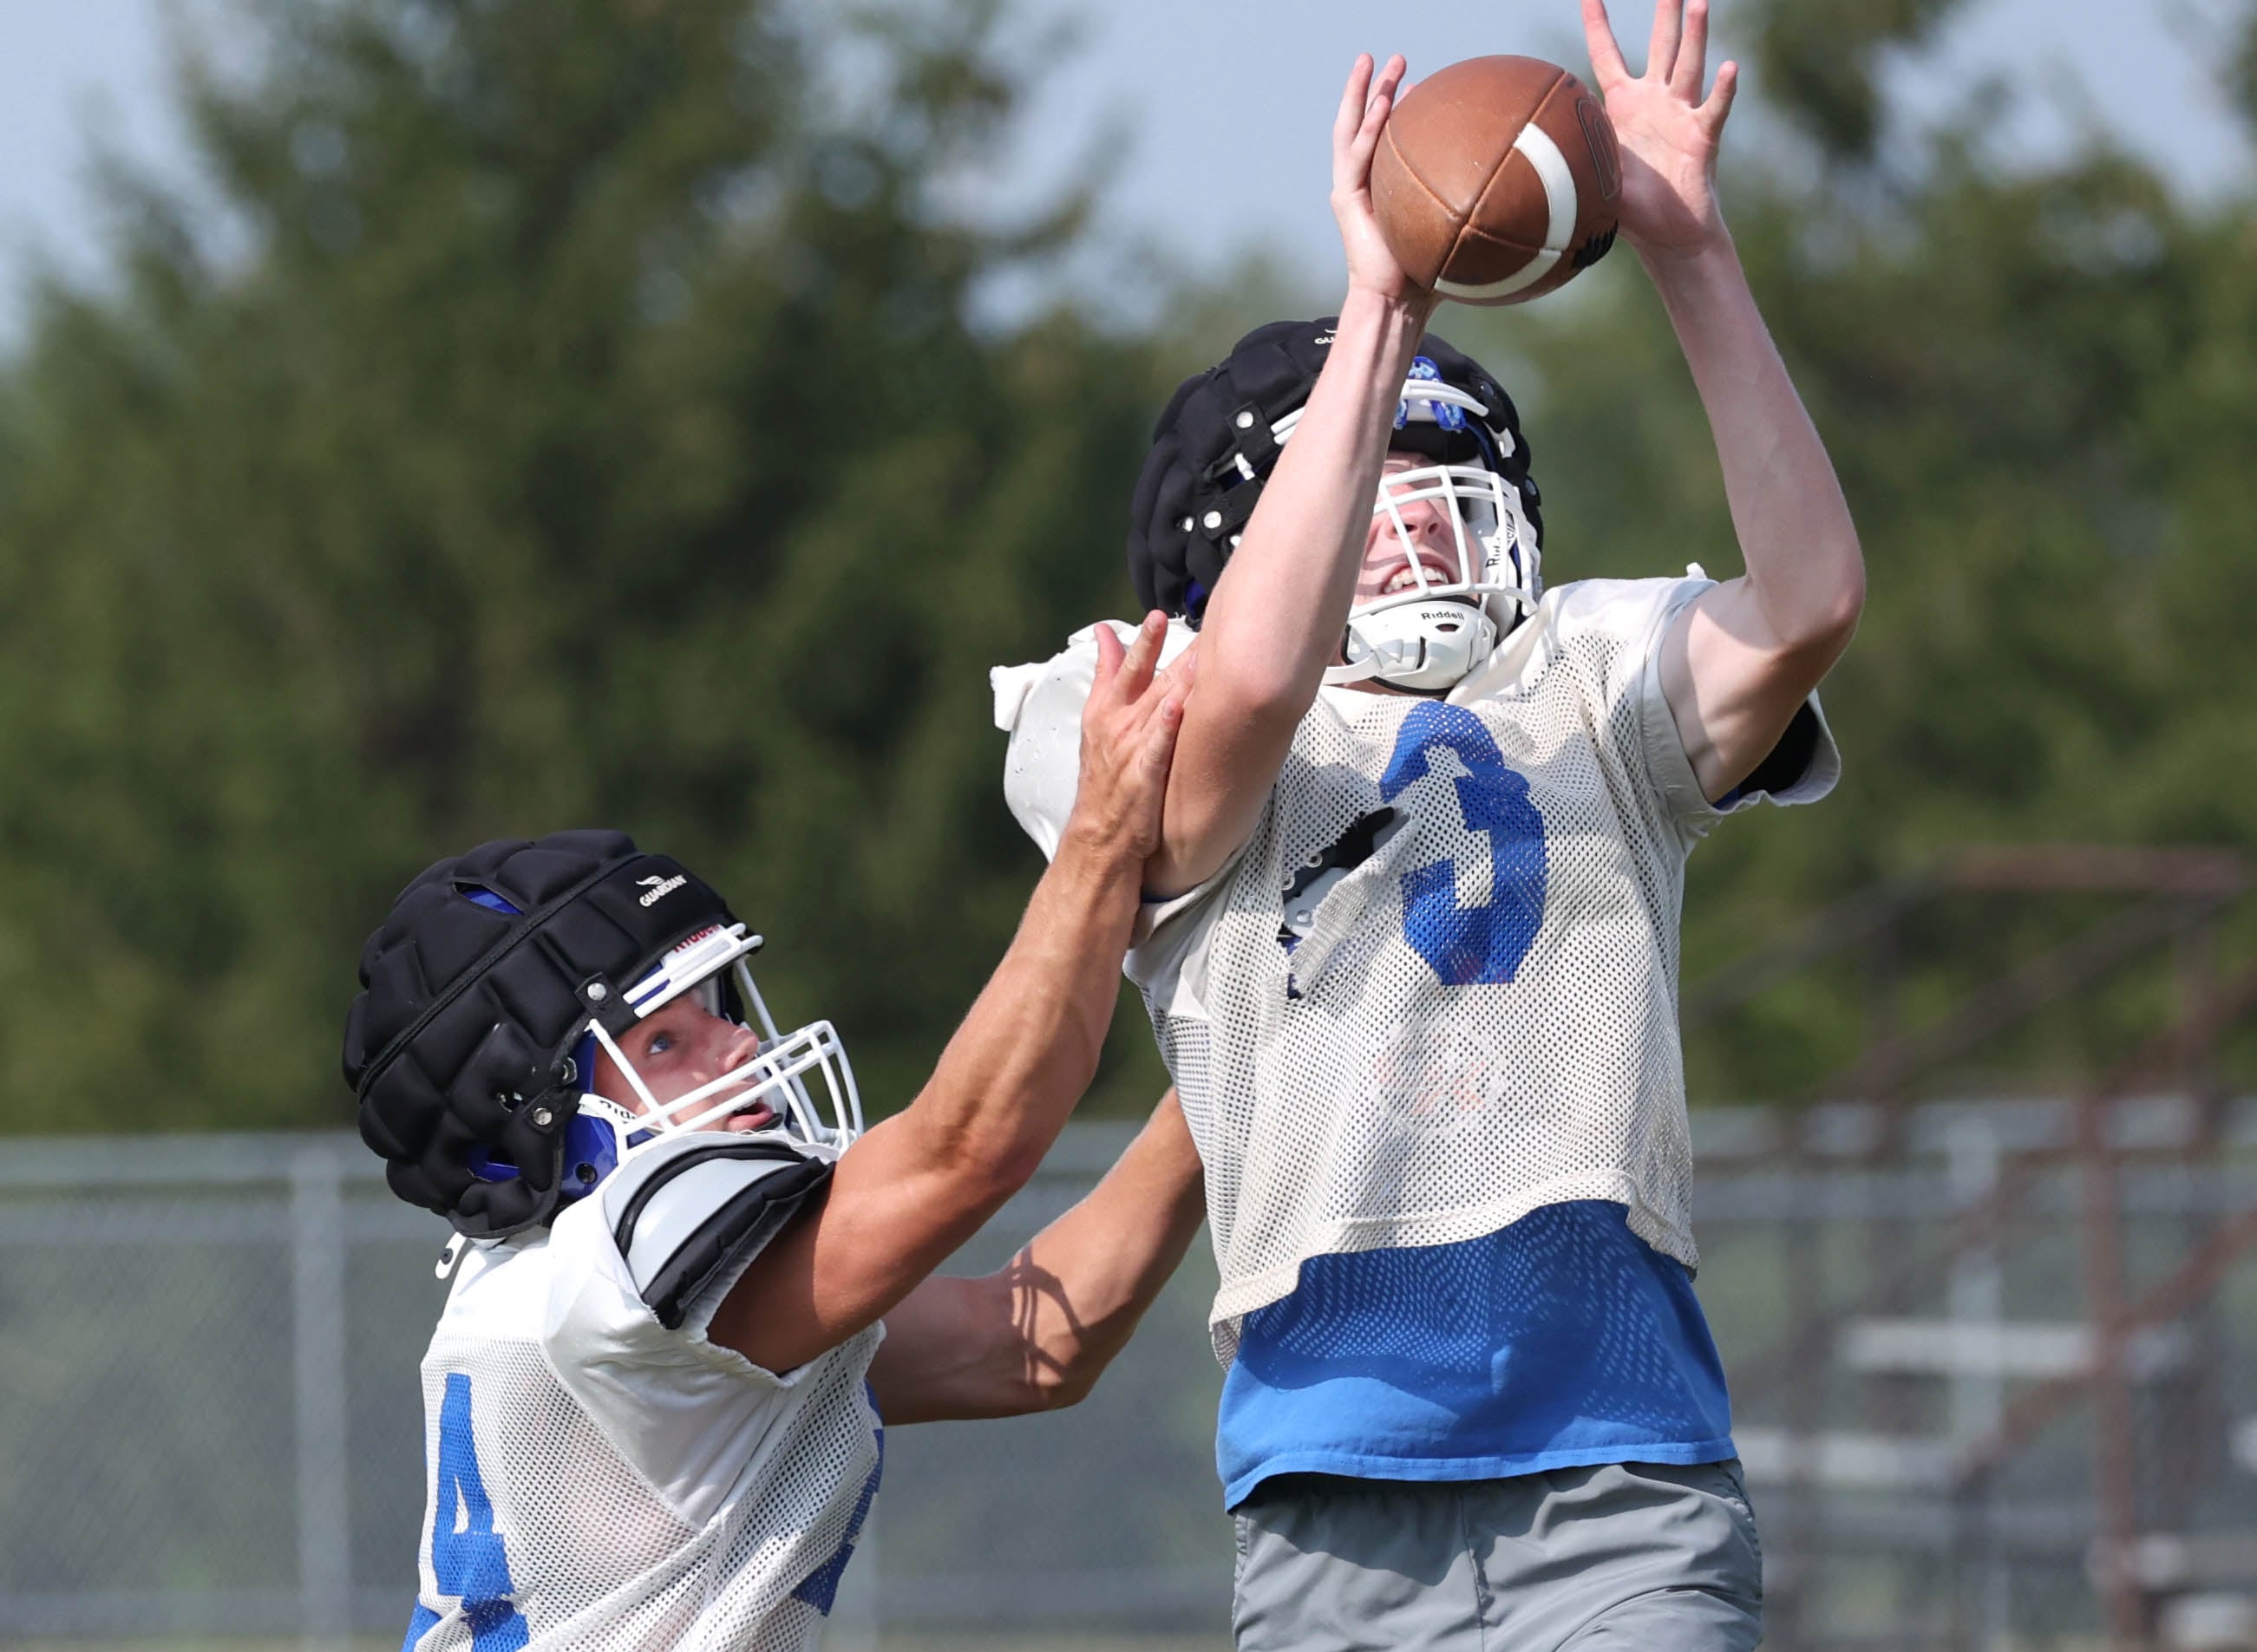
(1409, 939)
(690, 1290)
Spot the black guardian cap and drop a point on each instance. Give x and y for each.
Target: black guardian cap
(476, 988)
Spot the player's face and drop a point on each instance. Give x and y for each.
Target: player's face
(674, 1050)
(1387, 558)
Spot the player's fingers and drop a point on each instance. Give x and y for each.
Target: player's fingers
(1718, 108)
(1109, 653)
(1158, 749)
(1668, 29)
(1692, 69)
(1143, 653)
(1170, 686)
(1180, 675)
(1389, 82)
(1137, 724)
(1607, 65)
(1353, 96)
(1367, 139)
(1376, 112)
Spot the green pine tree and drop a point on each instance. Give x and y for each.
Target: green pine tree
(570, 419)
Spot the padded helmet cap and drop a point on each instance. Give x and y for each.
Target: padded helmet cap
(459, 1044)
(1193, 499)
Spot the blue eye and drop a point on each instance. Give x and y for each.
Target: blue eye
(660, 1043)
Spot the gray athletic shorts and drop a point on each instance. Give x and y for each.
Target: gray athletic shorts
(1623, 1555)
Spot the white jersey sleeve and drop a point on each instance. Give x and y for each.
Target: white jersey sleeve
(1616, 626)
(688, 1414)
(1039, 706)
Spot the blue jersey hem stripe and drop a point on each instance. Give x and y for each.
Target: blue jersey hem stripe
(1676, 1453)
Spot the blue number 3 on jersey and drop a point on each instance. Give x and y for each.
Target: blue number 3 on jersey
(471, 1564)
(1482, 944)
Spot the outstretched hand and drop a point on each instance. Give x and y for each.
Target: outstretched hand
(1129, 728)
(1669, 135)
(1365, 104)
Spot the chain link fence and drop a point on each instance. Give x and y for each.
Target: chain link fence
(209, 1405)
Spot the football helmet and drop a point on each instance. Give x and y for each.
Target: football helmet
(1216, 446)
(488, 990)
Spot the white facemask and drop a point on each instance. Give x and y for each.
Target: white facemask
(777, 1073)
(1434, 631)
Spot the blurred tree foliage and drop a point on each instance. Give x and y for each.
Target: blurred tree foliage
(1818, 62)
(569, 414)
(590, 433)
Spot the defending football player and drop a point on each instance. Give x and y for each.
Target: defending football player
(654, 1400)
(1410, 942)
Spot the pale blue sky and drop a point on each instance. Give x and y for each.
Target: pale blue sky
(1225, 102)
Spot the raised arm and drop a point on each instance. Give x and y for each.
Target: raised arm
(1739, 664)
(1035, 1335)
(919, 1184)
(1277, 613)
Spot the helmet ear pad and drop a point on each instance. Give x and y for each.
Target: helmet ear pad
(498, 1096)
(509, 1093)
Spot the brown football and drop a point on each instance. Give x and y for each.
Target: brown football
(1497, 178)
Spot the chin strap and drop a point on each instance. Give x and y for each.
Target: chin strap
(1401, 648)
(1364, 671)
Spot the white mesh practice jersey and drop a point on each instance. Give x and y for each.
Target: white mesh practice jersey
(597, 1480)
(1437, 989)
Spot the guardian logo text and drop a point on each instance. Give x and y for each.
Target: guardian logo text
(660, 888)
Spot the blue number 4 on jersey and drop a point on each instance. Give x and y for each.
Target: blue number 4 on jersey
(471, 1564)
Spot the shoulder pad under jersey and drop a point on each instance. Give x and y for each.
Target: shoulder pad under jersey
(682, 1213)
